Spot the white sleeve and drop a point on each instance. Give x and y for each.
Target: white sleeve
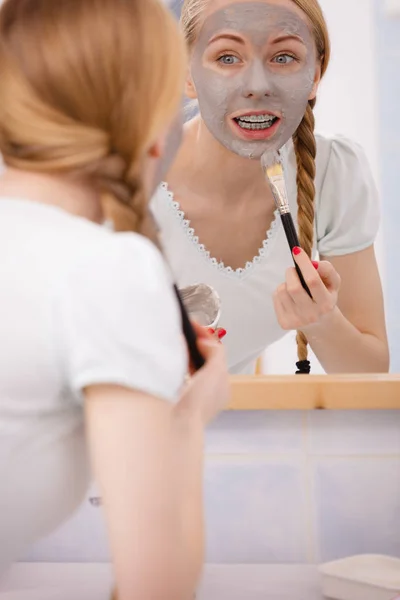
(347, 211)
(119, 322)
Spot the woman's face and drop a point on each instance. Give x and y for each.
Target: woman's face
(253, 70)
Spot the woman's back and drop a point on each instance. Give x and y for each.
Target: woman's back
(42, 448)
(55, 270)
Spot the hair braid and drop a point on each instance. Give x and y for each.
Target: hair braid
(305, 149)
(125, 203)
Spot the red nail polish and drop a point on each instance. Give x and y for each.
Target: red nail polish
(212, 331)
(296, 250)
(315, 264)
(222, 333)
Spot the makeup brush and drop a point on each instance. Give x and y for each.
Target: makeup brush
(151, 229)
(272, 166)
(190, 335)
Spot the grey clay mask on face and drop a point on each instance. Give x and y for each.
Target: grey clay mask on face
(254, 82)
(172, 144)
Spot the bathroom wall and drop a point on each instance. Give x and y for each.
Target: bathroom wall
(303, 487)
(281, 487)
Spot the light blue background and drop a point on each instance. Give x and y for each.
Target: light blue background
(388, 77)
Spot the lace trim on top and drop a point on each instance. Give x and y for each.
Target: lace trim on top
(194, 239)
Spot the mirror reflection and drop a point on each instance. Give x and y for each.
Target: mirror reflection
(267, 77)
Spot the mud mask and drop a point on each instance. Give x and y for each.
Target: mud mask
(172, 144)
(253, 102)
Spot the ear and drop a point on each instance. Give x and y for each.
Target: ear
(317, 79)
(190, 90)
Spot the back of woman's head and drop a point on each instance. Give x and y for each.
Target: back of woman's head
(87, 86)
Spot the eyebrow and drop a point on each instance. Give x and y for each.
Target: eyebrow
(285, 38)
(227, 36)
(239, 40)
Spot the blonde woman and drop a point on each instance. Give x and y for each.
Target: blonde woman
(255, 67)
(91, 351)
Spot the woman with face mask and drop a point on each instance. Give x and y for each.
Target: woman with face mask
(92, 355)
(255, 67)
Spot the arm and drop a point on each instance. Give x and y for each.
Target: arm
(354, 339)
(344, 322)
(120, 324)
(148, 461)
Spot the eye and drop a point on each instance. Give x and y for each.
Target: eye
(228, 59)
(284, 59)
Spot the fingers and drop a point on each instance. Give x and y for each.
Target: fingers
(329, 276)
(207, 332)
(202, 337)
(303, 303)
(202, 332)
(209, 344)
(218, 333)
(311, 276)
(293, 306)
(207, 341)
(221, 333)
(321, 281)
(212, 351)
(285, 309)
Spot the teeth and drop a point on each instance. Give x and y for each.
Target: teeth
(255, 126)
(257, 118)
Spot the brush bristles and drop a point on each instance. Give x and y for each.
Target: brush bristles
(274, 170)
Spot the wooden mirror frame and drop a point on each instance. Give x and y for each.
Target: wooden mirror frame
(311, 392)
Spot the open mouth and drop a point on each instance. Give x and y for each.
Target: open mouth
(256, 122)
(255, 126)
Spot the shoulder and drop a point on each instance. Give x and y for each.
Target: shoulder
(336, 143)
(341, 160)
(342, 169)
(119, 259)
(347, 200)
(119, 320)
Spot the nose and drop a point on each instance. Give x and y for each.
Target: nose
(258, 82)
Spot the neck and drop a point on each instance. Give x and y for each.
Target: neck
(213, 170)
(76, 197)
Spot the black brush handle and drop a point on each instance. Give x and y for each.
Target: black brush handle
(293, 241)
(190, 335)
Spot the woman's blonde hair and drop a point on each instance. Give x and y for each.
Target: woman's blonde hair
(86, 88)
(303, 139)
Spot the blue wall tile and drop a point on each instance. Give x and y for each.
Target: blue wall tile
(256, 512)
(357, 507)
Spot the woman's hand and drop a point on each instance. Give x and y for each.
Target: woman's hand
(218, 333)
(293, 306)
(208, 391)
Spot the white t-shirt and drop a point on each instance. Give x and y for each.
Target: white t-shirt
(79, 305)
(347, 220)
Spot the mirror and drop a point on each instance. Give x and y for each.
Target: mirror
(217, 231)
